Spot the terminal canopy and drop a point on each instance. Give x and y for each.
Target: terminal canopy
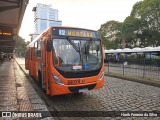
(11, 15)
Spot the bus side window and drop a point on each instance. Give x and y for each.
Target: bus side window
(54, 52)
(37, 49)
(55, 60)
(29, 53)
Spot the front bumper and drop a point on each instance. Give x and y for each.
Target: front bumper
(56, 89)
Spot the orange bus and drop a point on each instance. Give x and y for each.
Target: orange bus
(66, 60)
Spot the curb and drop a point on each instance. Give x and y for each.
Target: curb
(152, 83)
(43, 104)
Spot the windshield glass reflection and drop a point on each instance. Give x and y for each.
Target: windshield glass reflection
(77, 55)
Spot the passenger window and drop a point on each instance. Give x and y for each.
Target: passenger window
(37, 49)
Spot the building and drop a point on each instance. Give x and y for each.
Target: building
(44, 16)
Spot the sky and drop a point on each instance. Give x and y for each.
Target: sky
(90, 14)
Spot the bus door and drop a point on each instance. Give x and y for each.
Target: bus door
(44, 66)
(30, 57)
(27, 60)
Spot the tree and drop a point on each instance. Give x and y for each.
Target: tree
(140, 29)
(20, 45)
(130, 29)
(148, 30)
(110, 33)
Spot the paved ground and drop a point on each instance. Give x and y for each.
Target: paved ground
(116, 95)
(16, 93)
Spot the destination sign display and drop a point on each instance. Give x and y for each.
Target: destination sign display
(75, 32)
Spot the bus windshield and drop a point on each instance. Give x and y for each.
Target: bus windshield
(75, 54)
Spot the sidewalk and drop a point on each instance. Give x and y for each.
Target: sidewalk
(16, 92)
(21, 62)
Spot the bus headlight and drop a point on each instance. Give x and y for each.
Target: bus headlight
(57, 80)
(102, 75)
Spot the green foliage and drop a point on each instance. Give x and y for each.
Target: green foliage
(110, 33)
(148, 12)
(140, 29)
(129, 30)
(21, 45)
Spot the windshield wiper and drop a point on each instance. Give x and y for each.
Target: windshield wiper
(73, 44)
(77, 48)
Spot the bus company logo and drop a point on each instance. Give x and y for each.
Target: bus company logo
(6, 114)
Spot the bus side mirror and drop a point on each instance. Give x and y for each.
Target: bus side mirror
(49, 45)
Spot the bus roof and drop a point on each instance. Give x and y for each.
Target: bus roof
(78, 32)
(30, 44)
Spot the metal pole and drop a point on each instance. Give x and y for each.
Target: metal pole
(108, 62)
(144, 62)
(123, 68)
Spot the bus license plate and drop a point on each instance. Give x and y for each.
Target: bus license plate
(83, 90)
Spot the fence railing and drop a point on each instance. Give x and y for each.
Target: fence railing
(143, 70)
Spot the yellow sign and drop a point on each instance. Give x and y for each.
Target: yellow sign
(79, 34)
